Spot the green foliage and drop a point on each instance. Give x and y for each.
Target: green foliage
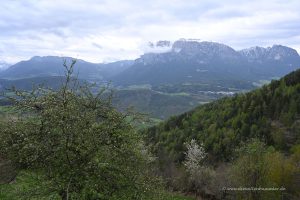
(251, 168)
(78, 144)
(224, 124)
(176, 197)
(28, 186)
(260, 167)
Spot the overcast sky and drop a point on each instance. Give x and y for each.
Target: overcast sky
(107, 30)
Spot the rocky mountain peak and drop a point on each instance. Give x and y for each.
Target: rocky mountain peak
(276, 52)
(206, 48)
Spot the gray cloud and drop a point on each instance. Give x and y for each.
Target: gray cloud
(101, 30)
(97, 45)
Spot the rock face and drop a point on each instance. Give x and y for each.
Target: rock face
(207, 49)
(163, 43)
(274, 53)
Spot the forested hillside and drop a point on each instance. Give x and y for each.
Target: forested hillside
(237, 134)
(270, 113)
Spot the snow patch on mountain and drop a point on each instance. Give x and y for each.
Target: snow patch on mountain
(277, 57)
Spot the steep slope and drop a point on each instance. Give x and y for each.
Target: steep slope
(193, 61)
(271, 114)
(275, 61)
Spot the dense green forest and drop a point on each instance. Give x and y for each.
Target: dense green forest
(266, 118)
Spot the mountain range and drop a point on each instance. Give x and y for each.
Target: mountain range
(193, 61)
(184, 61)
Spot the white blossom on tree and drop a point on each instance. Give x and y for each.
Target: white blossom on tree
(200, 176)
(194, 156)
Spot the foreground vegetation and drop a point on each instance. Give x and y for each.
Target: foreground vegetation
(72, 144)
(22, 188)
